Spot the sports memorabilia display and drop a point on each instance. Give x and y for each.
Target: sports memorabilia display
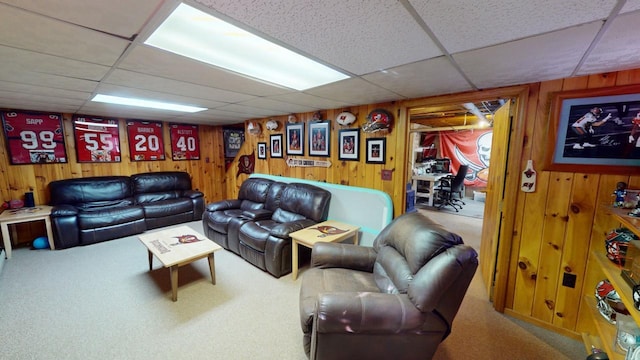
(145, 140)
(34, 138)
(616, 244)
(185, 144)
(378, 119)
(97, 139)
(609, 302)
(345, 118)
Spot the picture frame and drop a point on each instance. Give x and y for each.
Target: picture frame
(185, 142)
(376, 150)
(146, 140)
(97, 139)
(275, 142)
(581, 139)
(34, 137)
(262, 150)
(320, 138)
(295, 139)
(349, 144)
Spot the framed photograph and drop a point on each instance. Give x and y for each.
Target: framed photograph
(295, 139)
(276, 145)
(595, 130)
(319, 138)
(34, 138)
(185, 144)
(97, 139)
(146, 141)
(349, 144)
(262, 150)
(376, 150)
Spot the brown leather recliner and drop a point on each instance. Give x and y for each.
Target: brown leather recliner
(395, 300)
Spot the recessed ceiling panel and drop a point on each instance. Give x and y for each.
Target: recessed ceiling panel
(115, 90)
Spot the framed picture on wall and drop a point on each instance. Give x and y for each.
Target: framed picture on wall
(376, 150)
(97, 139)
(34, 138)
(349, 144)
(146, 141)
(319, 138)
(276, 145)
(595, 130)
(262, 150)
(295, 139)
(185, 144)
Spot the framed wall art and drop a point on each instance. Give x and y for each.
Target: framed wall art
(185, 143)
(146, 141)
(376, 150)
(97, 139)
(349, 144)
(34, 138)
(295, 139)
(595, 130)
(262, 150)
(276, 145)
(319, 138)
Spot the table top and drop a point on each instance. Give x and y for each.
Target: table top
(430, 176)
(178, 245)
(24, 214)
(327, 231)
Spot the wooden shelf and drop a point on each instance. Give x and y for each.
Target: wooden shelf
(630, 222)
(606, 331)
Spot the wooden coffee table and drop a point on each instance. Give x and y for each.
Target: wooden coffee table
(179, 246)
(328, 231)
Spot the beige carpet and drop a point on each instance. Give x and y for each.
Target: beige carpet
(101, 302)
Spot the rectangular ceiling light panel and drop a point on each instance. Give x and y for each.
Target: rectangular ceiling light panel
(145, 103)
(195, 34)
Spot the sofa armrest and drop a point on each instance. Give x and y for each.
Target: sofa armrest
(284, 229)
(349, 256)
(64, 210)
(370, 313)
(224, 205)
(192, 194)
(257, 214)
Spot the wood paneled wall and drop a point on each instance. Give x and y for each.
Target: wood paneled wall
(555, 227)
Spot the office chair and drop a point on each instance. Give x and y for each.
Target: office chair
(451, 185)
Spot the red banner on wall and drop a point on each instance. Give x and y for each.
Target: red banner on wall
(145, 140)
(97, 139)
(469, 147)
(34, 138)
(184, 142)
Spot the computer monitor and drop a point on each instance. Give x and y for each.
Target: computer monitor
(442, 166)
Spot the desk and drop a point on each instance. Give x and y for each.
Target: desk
(8, 217)
(328, 231)
(433, 179)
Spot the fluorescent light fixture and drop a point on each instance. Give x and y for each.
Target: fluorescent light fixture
(195, 34)
(145, 103)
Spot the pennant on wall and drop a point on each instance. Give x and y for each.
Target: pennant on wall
(246, 164)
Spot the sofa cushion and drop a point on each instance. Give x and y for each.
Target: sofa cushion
(160, 182)
(90, 190)
(108, 217)
(165, 208)
(305, 200)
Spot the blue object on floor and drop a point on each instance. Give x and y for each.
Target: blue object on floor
(40, 243)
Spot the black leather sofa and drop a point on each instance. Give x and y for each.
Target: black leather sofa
(94, 209)
(256, 225)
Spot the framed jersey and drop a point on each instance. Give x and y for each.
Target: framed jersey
(97, 139)
(185, 144)
(145, 140)
(34, 138)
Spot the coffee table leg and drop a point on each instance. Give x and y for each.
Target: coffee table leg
(150, 260)
(174, 282)
(294, 259)
(212, 268)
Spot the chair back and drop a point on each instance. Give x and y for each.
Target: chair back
(458, 180)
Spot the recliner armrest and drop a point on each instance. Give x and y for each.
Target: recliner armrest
(257, 214)
(284, 229)
(349, 256)
(192, 194)
(224, 205)
(64, 210)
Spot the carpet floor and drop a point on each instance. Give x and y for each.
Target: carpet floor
(102, 302)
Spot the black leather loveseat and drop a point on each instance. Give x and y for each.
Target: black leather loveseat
(257, 224)
(94, 209)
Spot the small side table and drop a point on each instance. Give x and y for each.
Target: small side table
(15, 216)
(328, 231)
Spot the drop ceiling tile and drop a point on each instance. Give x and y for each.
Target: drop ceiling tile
(630, 5)
(148, 60)
(469, 24)
(40, 90)
(122, 17)
(357, 36)
(25, 30)
(36, 105)
(545, 57)
(125, 112)
(51, 99)
(312, 101)
(47, 80)
(249, 111)
(613, 52)
(424, 78)
(161, 84)
(279, 106)
(354, 91)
